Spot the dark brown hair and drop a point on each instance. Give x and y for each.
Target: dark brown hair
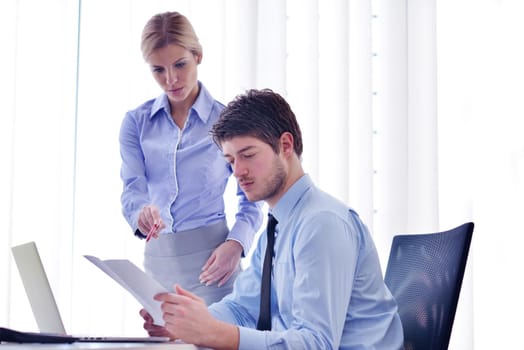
(263, 114)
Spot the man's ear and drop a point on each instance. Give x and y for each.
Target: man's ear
(287, 143)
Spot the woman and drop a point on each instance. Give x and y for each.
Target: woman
(175, 176)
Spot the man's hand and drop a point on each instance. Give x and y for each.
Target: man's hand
(152, 329)
(187, 318)
(221, 264)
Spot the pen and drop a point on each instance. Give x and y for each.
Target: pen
(150, 233)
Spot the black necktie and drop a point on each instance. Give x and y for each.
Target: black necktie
(264, 319)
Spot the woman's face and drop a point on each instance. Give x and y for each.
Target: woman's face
(175, 70)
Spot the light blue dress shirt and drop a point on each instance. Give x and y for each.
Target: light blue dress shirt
(182, 171)
(327, 286)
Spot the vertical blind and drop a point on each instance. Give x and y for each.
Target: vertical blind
(409, 110)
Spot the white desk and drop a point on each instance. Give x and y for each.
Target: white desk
(99, 346)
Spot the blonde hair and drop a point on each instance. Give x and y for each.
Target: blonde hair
(169, 28)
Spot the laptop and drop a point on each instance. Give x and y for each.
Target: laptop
(44, 306)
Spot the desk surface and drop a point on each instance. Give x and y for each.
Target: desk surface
(99, 346)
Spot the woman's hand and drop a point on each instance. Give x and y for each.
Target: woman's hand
(149, 221)
(221, 264)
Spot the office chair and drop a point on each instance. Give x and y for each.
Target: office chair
(424, 273)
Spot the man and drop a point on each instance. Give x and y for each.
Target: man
(327, 290)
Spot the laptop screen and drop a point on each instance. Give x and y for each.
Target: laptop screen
(38, 289)
(44, 306)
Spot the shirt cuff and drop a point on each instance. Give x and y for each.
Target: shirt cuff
(236, 240)
(251, 339)
(243, 234)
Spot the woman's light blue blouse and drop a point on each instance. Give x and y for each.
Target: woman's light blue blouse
(182, 171)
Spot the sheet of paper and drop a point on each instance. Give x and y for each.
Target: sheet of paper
(142, 286)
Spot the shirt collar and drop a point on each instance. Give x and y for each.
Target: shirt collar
(202, 105)
(282, 210)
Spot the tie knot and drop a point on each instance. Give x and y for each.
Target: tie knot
(271, 223)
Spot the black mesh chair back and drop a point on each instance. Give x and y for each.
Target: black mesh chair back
(424, 274)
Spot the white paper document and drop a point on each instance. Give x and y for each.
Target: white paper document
(142, 286)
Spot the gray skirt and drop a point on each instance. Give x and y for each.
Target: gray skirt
(178, 258)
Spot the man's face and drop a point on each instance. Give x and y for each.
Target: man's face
(260, 172)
